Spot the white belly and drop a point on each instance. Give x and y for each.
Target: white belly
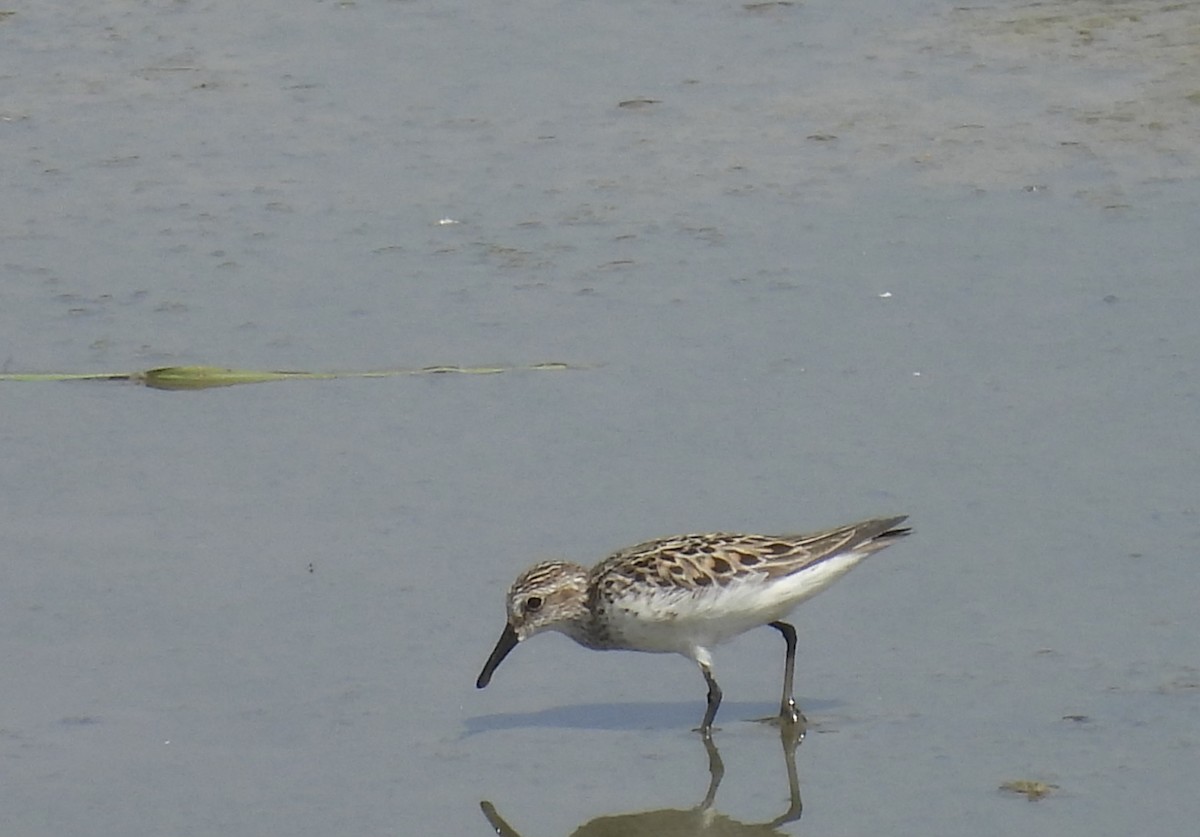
(682, 620)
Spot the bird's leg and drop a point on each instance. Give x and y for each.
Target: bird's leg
(714, 701)
(789, 713)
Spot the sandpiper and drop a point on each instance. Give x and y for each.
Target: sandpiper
(688, 593)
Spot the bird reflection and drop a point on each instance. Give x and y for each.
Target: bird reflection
(704, 819)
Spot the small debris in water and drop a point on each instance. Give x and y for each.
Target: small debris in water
(1031, 789)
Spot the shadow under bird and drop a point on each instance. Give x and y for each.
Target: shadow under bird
(687, 594)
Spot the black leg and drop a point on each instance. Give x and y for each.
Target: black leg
(788, 712)
(714, 701)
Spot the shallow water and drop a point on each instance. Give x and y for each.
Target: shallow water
(854, 260)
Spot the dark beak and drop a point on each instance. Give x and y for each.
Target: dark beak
(507, 642)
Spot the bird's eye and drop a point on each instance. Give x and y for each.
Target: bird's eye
(533, 604)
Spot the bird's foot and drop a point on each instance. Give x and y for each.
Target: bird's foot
(790, 720)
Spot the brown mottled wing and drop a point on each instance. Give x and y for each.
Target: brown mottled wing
(865, 536)
(694, 561)
(684, 561)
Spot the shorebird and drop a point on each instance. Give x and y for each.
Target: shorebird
(687, 594)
